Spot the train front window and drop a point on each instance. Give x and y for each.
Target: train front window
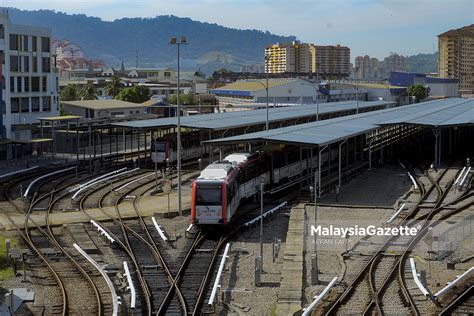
(160, 146)
(208, 194)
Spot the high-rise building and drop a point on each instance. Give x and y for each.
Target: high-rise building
(29, 88)
(456, 57)
(327, 61)
(366, 67)
(331, 61)
(394, 62)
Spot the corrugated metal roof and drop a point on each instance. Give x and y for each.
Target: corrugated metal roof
(103, 104)
(252, 85)
(222, 121)
(446, 112)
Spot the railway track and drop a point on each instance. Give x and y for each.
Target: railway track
(78, 291)
(364, 295)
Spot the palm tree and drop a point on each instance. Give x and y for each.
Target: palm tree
(88, 92)
(113, 87)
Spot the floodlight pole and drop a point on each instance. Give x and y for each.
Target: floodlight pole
(174, 41)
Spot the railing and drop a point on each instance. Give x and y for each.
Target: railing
(133, 293)
(453, 283)
(158, 228)
(17, 172)
(43, 177)
(417, 279)
(102, 180)
(115, 299)
(218, 277)
(102, 231)
(391, 219)
(256, 219)
(318, 298)
(133, 181)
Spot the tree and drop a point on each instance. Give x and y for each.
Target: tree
(88, 92)
(418, 91)
(135, 94)
(69, 93)
(186, 99)
(114, 86)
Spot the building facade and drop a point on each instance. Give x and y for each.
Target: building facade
(438, 87)
(332, 62)
(456, 57)
(326, 61)
(29, 88)
(394, 62)
(366, 67)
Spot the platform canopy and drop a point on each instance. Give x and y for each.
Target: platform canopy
(223, 121)
(333, 130)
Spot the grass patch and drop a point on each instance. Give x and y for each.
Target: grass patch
(5, 271)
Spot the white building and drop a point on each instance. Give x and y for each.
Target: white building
(100, 109)
(29, 90)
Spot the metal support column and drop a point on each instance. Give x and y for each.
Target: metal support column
(436, 157)
(340, 161)
(319, 170)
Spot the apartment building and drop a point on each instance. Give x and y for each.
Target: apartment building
(331, 62)
(394, 62)
(29, 82)
(456, 57)
(366, 67)
(327, 61)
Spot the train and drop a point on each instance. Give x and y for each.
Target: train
(224, 185)
(164, 149)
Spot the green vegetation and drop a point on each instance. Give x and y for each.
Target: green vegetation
(113, 87)
(112, 40)
(70, 93)
(6, 272)
(73, 93)
(418, 91)
(135, 94)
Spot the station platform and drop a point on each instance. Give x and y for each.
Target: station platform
(291, 286)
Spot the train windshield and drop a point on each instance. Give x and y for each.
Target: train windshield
(160, 146)
(208, 194)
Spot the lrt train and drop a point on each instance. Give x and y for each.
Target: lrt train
(222, 186)
(164, 149)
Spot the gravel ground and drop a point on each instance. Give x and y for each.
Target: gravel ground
(379, 186)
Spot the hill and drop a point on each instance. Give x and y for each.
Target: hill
(120, 39)
(423, 63)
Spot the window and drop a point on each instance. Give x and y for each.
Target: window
(25, 43)
(2, 31)
(46, 67)
(45, 44)
(46, 104)
(34, 43)
(25, 105)
(19, 84)
(35, 104)
(35, 84)
(27, 84)
(13, 42)
(2, 57)
(167, 74)
(15, 105)
(26, 64)
(35, 64)
(45, 84)
(14, 61)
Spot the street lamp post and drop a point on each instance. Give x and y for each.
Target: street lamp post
(317, 102)
(182, 41)
(266, 88)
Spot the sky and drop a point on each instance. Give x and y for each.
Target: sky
(369, 27)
